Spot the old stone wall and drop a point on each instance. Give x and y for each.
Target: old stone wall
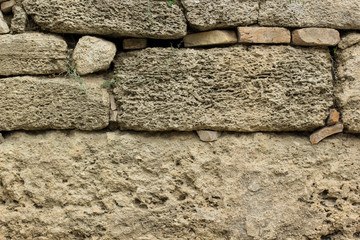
(186, 119)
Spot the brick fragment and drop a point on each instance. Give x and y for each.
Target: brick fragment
(315, 37)
(208, 136)
(333, 118)
(325, 132)
(134, 43)
(216, 37)
(263, 35)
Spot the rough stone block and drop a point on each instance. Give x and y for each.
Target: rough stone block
(208, 136)
(349, 39)
(134, 43)
(326, 13)
(348, 86)
(216, 37)
(334, 117)
(7, 6)
(4, 28)
(32, 53)
(37, 103)
(19, 20)
(241, 88)
(205, 14)
(315, 37)
(93, 54)
(131, 18)
(325, 132)
(263, 35)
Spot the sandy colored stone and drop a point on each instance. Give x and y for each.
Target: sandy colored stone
(36, 103)
(128, 185)
(93, 54)
(206, 15)
(348, 87)
(334, 117)
(263, 35)
(131, 18)
(325, 132)
(32, 53)
(134, 43)
(7, 6)
(349, 39)
(326, 13)
(19, 20)
(215, 37)
(1, 139)
(4, 28)
(315, 37)
(240, 88)
(208, 136)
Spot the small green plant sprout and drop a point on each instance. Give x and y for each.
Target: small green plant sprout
(109, 83)
(71, 71)
(148, 13)
(170, 3)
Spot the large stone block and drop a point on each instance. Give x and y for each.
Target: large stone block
(122, 185)
(298, 13)
(211, 14)
(34, 103)
(32, 53)
(152, 19)
(242, 88)
(348, 86)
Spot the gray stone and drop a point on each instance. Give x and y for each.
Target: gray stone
(93, 54)
(132, 18)
(326, 13)
(32, 53)
(211, 14)
(19, 20)
(242, 88)
(348, 87)
(208, 136)
(4, 28)
(36, 103)
(128, 185)
(349, 39)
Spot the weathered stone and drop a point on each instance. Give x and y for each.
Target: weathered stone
(134, 43)
(19, 20)
(208, 136)
(325, 132)
(216, 37)
(349, 39)
(205, 15)
(93, 54)
(326, 13)
(7, 6)
(241, 88)
(127, 185)
(32, 53)
(150, 19)
(315, 37)
(348, 87)
(34, 103)
(1, 138)
(334, 117)
(263, 35)
(4, 28)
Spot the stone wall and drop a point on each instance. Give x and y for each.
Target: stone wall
(190, 119)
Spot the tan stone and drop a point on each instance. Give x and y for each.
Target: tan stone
(37, 103)
(263, 35)
(208, 136)
(93, 54)
(32, 53)
(134, 43)
(325, 132)
(349, 39)
(4, 28)
(315, 37)
(239, 88)
(6, 7)
(19, 20)
(1, 139)
(216, 37)
(334, 117)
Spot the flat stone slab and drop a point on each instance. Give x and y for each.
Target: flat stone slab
(32, 53)
(348, 87)
(299, 13)
(315, 37)
(211, 38)
(132, 18)
(268, 35)
(37, 103)
(241, 88)
(211, 14)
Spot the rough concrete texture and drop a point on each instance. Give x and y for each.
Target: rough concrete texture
(120, 185)
(93, 54)
(326, 13)
(215, 37)
(152, 19)
(263, 35)
(315, 37)
(241, 88)
(34, 103)
(4, 28)
(349, 39)
(348, 86)
(32, 53)
(210, 14)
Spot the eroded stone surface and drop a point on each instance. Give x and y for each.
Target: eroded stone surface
(32, 53)
(349, 39)
(242, 88)
(34, 103)
(120, 185)
(326, 13)
(263, 35)
(152, 19)
(205, 14)
(348, 86)
(19, 20)
(4, 28)
(216, 37)
(315, 37)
